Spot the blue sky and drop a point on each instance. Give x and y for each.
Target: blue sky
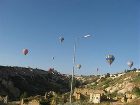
(38, 24)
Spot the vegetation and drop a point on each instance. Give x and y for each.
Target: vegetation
(24, 95)
(136, 91)
(19, 82)
(44, 102)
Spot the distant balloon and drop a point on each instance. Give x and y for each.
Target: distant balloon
(97, 69)
(87, 36)
(25, 51)
(78, 66)
(61, 39)
(130, 63)
(110, 59)
(52, 58)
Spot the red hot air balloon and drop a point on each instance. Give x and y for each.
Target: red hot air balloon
(25, 51)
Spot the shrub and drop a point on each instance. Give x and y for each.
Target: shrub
(136, 91)
(24, 95)
(43, 102)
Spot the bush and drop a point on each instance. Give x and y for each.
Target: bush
(114, 94)
(24, 95)
(107, 83)
(43, 102)
(136, 90)
(137, 79)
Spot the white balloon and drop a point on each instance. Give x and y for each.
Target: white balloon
(78, 66)
(87, 36)
(130, 63)
(61, 39)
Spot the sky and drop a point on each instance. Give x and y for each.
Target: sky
(37, 25)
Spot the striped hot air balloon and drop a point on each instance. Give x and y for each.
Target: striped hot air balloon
(110, 59)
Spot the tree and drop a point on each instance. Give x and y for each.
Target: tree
(108, 75)
(24, 95)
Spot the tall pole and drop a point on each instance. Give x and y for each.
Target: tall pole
(74, 53)
(74, 58)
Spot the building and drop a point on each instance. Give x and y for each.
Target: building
(77, 96)
(138, 70)
(95, 98)
(83, 91)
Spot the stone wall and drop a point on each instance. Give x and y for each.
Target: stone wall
(31, 102)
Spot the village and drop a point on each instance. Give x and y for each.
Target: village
(95, 92)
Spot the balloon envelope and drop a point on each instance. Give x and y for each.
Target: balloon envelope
(130, 63)
(61, 39)
(110, 59)
(78, 66)
(52, 58)
(25, 51)
(87, 36)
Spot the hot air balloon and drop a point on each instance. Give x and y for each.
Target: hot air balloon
(52, 58)
(97, 69)
(78, 66)
(25, 51)
(86, 36)
(130, 64)
(110, 59)
(61, 39)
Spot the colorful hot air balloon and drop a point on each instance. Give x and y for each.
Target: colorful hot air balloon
(78, 66)
(130, 64)
(61, 39)
(110, 59)
(25, 51)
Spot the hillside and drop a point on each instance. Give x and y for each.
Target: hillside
(17, 82)
(120, 87)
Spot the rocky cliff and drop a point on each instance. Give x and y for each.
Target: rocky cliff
(19, 82)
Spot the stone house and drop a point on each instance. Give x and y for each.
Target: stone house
(77, 96)
(83, 91)
(121, 74)
(96, 96)
(138, 70)
(93, 95)
(102, 76)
